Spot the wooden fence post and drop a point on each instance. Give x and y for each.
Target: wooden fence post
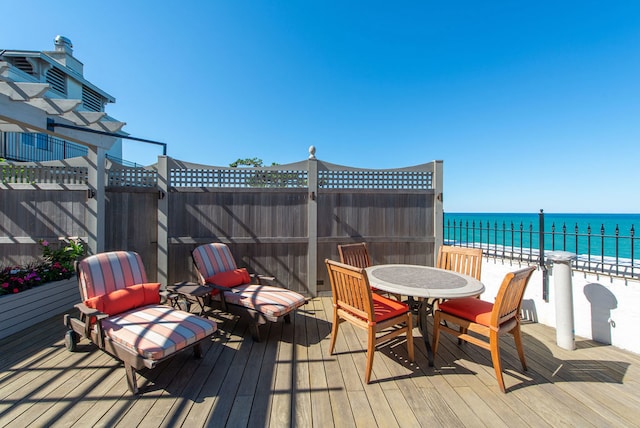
(96, 217)
(312, 223)
(163, 220)
(438, 212)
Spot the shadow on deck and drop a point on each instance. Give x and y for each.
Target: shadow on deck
(289, 379)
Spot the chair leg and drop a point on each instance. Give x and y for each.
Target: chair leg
(517, 336)
(197, 351)
(462, 331)
(255, 331)
(410, 337)
(287, 318)
(334, 334)
(131, 378)
(436, 333)
(371, 349)
(494, 343)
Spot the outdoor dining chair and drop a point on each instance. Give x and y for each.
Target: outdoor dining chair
(354, 302)
(358, 255)
(467, 261)
(238, 292)
(121, 313)
(487, 320)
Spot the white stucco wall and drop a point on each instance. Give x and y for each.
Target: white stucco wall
(606, 309)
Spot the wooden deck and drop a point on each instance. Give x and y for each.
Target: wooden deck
(290, 380)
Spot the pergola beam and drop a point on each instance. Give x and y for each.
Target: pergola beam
(23, 91)
(27, 116)
(54, 106)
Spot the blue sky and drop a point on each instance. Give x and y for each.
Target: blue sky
(529, 104)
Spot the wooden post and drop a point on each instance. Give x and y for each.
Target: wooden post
(438, 212)
(312, 224)
(163, 220)
(96, 199)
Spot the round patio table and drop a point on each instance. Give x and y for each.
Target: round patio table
(430, 283)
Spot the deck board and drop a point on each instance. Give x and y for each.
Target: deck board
(289, 379)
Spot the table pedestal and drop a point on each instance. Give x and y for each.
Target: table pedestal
(422, 309)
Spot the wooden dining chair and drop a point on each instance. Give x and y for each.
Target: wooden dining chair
(467, 261)
(354, 302)
(487, 320)
(358, 255)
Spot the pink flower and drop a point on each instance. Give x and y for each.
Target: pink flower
(15, 290)
(45, 243)
(5, 285)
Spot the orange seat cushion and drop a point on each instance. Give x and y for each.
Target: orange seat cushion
(469, 308)
(122, 300)
(385, 308)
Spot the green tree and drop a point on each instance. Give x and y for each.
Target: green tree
(254, 162)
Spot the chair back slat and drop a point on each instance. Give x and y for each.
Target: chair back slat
(350, 289)
(211, 259)
(106, 272)
(355, 254)
(509, 299)
(467, 261)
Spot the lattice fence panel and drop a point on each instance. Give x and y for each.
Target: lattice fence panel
(23, 174)
(132, 177)
(237, 178)
(413, 180)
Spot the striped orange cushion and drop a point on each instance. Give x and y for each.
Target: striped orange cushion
(272, 301)
(469, 308)
(213, 258)
(157, 331)
(106, 272)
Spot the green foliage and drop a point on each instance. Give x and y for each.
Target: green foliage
(15, 174)
(57, 264)
(253, 162)
(66, 253)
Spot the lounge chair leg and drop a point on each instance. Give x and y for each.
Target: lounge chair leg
(131, 378)
(197, 351)
(287, 318)
(255, 331)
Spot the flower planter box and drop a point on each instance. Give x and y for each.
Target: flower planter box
(22, 310)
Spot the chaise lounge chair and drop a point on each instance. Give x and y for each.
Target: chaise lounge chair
(121, 314)
(238, 292)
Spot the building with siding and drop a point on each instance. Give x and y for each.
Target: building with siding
(63, 73)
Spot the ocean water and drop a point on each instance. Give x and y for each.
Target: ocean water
(610, 235)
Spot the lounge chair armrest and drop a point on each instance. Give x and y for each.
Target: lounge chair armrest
(89, 313)
(166, 296)
(263, 278)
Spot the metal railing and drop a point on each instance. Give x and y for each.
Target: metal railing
(597, 250)
(34, 147)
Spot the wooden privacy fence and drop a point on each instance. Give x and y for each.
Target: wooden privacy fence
(281, 221)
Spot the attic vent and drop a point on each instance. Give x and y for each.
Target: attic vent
(22, 64)
(91, 99)
(57, 80)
